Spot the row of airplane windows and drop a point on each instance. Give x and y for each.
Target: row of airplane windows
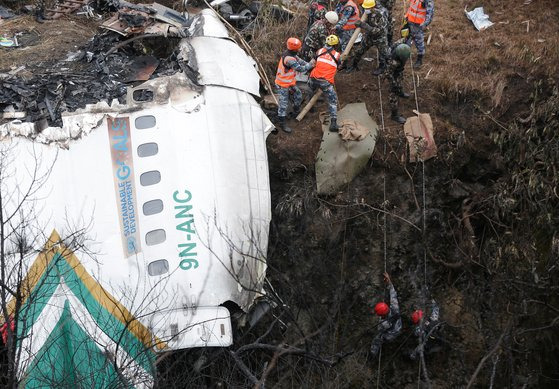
(151, 207)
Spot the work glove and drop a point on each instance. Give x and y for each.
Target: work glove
(313, 62)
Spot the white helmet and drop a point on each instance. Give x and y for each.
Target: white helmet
(332, 17)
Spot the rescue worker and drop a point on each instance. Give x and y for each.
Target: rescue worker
(419, 16)
(318, 33)
(398, 58)
(424, 330)
(322, 76)
(390, 324)
(286, 84)
(315, 6)
(389, 5)
(374, 28)
(349, 15)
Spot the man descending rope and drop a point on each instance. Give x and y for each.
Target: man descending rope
(390, 324)
(398, 58)
(318, 33)
(348, 13)
(375, 28)
(286, 84)
(419, 16)
(424, 330)
(322, 76)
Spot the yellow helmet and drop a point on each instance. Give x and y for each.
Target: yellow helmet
(332, 40)
(369, 4)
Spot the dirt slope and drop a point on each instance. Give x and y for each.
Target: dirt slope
(475, 85)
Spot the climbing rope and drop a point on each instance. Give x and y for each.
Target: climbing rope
(383, 197)
(424, 227)
(384, 170)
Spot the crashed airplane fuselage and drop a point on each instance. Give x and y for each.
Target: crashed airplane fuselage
(144, 217)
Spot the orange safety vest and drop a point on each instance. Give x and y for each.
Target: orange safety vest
(285, 77)
(352, 21)
(326, 64)
(417, 12)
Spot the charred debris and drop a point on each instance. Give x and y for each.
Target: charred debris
(139, 42)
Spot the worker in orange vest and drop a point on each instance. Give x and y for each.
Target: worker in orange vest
(322, 76)
(286, 84)
(419, 16)
(348, 14)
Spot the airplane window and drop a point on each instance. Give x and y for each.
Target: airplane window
(156, 268)
(152, 207)
(143, 122)
(155, 237)
(147, 149)
(150, 178)
(142, 95)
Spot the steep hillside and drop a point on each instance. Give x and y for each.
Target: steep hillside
(489, 252)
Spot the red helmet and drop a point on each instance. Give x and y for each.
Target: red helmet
(416, 316)
(382, 309)
(293, 44)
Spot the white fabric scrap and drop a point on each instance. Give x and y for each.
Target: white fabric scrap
(479, 18)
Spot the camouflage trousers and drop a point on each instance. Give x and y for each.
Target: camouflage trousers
(329, 91)
(344, 37)
(380, 339)
(416, 33)
(369, 41)
(390, 30)
(395, 77)
(283, 98)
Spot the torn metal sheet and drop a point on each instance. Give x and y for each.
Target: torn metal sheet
(240, 72)
(168, 15)
(338, 162)
(419, 133)
(142, 68)
(207, 24)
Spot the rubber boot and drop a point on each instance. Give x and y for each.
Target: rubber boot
(351, 66)
(397, 117)
(418, 61)
(404, 95)
(296, 111)
(333, 125)
(283, 124)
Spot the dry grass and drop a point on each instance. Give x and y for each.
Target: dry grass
(465, 64)
(269, 35)
(54, 39)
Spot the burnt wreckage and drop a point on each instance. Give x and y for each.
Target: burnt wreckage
(140, 42)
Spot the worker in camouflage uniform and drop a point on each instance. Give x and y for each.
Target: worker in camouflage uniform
(424, 330)
(348, 14)
(318, 33)
(40, 7)
(419, 15)
(389, 5)
(314, 7)
(390, 324)
(374, 28)
(322, 76)
(286, 83)
(398, 58)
